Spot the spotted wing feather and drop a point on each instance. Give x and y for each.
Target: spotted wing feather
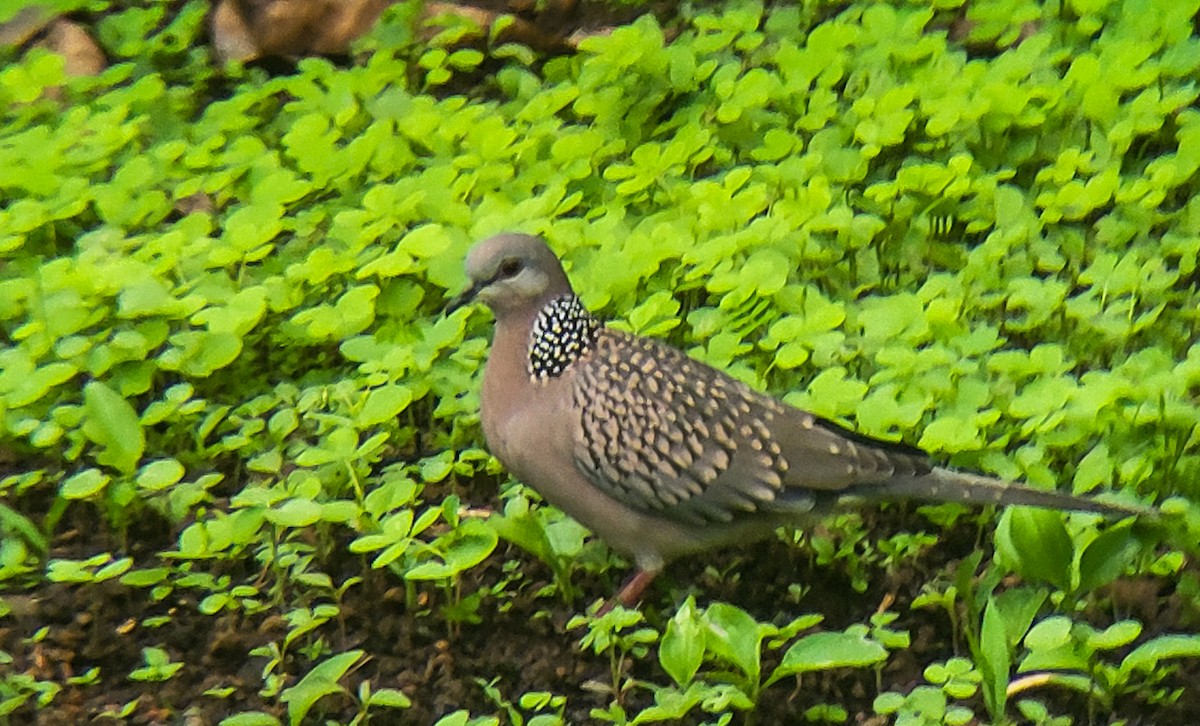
(670, 436)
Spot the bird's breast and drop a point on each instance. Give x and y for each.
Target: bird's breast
(517, 409)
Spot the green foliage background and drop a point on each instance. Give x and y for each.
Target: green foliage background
(220, 290)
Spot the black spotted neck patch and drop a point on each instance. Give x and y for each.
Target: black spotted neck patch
(562, 331)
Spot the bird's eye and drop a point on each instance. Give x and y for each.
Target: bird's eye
(510, 267)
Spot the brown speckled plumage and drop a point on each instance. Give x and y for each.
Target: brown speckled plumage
(659, 454)
(670, 436)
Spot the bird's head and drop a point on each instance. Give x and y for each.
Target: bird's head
(511, 273)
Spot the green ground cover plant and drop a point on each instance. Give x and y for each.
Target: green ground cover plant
(230, 404)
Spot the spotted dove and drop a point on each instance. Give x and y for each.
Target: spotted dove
(661, 455)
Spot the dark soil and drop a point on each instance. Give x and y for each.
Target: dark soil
(521, 642)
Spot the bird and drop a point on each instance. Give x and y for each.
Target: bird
(662, 456)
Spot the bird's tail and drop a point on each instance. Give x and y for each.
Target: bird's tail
(946, 485)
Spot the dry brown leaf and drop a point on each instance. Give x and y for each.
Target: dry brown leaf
(83, 56)
(22, 27)
(247, 29)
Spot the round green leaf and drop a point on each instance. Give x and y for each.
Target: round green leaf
(823, 651)
(86, 483)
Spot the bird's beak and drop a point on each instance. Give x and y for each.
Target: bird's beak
(463, 298)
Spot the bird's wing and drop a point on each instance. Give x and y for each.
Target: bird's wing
(670, 436)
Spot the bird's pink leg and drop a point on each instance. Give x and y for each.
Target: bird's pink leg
(631, 592)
